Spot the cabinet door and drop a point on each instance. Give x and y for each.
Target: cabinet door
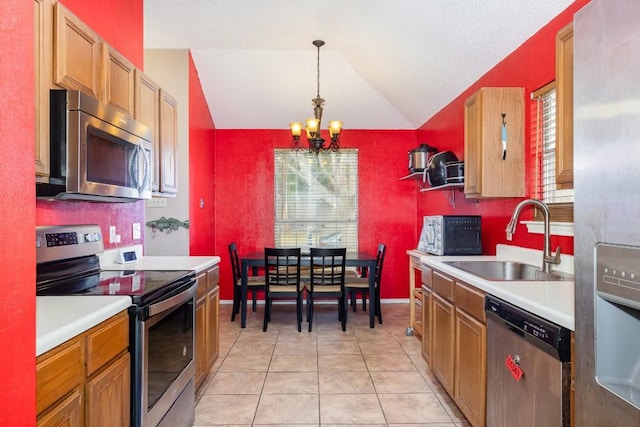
(201, 341)
(168, 143)
(470, 368)
(213, 327)
(77, 54)
(147, 112)
(108, 395)
(426, 324)
(489, 173)
(564, 107)
(43, 36)
(472, 147)
(118, 80)
(442, 350)
(67, 413)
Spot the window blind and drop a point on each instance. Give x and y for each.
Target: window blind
(545, 137)
(316, 199)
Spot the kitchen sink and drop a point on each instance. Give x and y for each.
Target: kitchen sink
(508, 271)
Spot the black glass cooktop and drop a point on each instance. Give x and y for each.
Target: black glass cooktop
(141, 285)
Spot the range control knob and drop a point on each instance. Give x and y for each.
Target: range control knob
(91, 237)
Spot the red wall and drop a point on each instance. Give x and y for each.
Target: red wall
(531, 66)
(201, 170)
(245, 201)
(17, 210)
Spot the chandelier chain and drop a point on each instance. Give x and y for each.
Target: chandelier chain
(318, 79)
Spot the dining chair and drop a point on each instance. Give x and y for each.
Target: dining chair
(360, 285)
(327, 281)
(282, 274)
(254, 283)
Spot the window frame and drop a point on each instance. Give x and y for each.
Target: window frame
(559, 212)
(300, 211)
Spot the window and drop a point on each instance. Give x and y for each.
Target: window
(316, 199)
(544, 172)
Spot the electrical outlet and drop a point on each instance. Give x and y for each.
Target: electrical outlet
(136, 231)
(112, 234)
(157, 203)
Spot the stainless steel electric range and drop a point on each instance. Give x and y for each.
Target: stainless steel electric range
(162, 318)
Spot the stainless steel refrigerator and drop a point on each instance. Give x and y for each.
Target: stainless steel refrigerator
(607, 212)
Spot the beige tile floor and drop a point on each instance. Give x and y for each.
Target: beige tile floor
(361, 377)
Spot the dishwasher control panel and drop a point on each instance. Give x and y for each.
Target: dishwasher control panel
(554, 338)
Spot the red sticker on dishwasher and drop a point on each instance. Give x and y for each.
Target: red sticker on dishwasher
(513, 367)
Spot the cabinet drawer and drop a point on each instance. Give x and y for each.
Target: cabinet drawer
(442, 285)
(57, 373)
(213, 277)
(106, 341)
(471, 300)
(202, 284)
(425, 274)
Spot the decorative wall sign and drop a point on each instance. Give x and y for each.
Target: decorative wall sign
(166, 225)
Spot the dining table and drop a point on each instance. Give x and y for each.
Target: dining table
(363, 260)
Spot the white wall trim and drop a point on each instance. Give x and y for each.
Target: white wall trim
(557, 228)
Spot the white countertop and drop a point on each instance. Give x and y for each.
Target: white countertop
(553, 301)
(59, 319)
(197, 263)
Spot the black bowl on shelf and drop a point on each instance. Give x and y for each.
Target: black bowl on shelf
(437, 172)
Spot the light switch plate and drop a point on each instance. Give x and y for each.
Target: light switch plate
(136, 231)
(112, 234)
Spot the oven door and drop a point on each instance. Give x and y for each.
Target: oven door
(164, 362)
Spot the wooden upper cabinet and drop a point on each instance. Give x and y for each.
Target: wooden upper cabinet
(168, 143)
(77, 53)
(118, 80)
(489, 174)
(147, 112)
(43, 37)
(564, 107)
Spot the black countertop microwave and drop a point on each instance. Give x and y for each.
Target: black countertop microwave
(97, 153)
(452, 235)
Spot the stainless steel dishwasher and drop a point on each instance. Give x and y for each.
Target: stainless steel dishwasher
(528, 368)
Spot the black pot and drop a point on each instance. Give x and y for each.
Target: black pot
(455, 172)
(437, 171)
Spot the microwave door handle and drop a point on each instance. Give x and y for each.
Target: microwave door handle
(145, 169)
(138, 160)
(133, 170)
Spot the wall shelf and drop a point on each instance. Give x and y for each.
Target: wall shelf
(421, 177)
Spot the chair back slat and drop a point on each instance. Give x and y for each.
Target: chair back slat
(382, 249)
(282, 266)
(235, 262)
(327, 266)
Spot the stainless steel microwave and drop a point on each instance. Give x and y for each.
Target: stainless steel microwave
(452, 235)
(97, 153)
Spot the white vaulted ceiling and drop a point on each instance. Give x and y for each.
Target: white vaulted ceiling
(386, 64)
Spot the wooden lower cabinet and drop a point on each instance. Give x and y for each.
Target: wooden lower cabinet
(207, 323)
(426, 323)
(66, 413)
(443, 344)
(109, 386)
(86, 381)
(456, 348)
(471, 368)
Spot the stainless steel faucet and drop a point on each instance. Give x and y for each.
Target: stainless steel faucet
(547, 258)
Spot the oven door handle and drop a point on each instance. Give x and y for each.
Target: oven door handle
(174, 301)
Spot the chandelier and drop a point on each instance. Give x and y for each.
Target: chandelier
(315, 140)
